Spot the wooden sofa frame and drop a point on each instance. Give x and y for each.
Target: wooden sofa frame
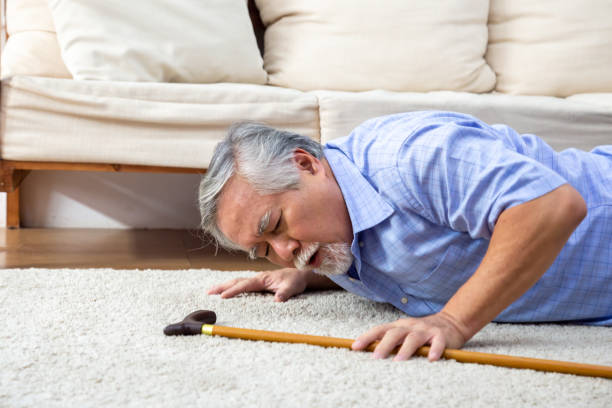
(12, 174)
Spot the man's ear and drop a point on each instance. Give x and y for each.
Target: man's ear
(305, 161)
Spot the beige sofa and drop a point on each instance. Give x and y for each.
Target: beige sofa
(77, 93)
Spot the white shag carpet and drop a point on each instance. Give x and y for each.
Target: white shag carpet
(93, 338)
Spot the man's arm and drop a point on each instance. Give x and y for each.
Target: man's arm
(525, 242)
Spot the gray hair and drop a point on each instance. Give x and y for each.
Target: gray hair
(263, 156)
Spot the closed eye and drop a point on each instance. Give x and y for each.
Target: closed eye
(274, 231)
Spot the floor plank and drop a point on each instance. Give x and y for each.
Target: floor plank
(119, 249)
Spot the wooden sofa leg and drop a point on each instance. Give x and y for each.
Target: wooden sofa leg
(10, 179)
(12, 209)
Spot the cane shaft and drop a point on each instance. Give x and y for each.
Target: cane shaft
(565, 367)
(283, 337)
(463, 356)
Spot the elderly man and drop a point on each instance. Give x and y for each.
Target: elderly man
(453, 221)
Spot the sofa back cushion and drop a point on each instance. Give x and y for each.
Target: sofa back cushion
(356, 45)
(32, 47)
(198, 41)
(551, 47)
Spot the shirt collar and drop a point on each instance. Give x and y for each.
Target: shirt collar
(365, 206)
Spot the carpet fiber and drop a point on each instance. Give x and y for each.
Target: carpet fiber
(87, 338)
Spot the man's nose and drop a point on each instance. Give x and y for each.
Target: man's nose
(285, 248)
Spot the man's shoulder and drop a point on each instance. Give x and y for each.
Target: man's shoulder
(377, 141)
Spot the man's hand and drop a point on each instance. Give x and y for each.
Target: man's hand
(284, 283)
(438, 330)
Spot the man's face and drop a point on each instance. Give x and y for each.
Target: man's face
(308, 228)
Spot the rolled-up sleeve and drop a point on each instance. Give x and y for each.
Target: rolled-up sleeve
(464, 174)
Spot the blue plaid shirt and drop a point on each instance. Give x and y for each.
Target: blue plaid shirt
(424, 190)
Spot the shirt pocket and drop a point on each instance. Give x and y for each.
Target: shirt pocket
(446, 278)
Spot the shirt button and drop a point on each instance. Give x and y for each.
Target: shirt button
(361, 244)
(404, 300)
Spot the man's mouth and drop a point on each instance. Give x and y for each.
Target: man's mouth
(309, 258)
(325, 259)
(314, 259)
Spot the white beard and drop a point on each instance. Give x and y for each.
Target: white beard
(336, 258)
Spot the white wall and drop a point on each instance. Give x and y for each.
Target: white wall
(59, 199)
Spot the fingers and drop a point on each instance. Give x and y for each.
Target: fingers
(390, 340)
(406, 333)
(390, 337)
(236, 286)
(285, 283)
(412, 341)
(286, 290)
(217, 289)
(282, 294)
(438, 344)
(370, 336)
(243, 286)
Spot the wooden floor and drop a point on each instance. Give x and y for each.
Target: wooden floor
(119, 249)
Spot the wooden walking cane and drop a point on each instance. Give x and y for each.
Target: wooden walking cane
(201, 322)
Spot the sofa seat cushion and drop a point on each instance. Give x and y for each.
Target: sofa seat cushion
(158, 124)
(598, 99)
(563, 123)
